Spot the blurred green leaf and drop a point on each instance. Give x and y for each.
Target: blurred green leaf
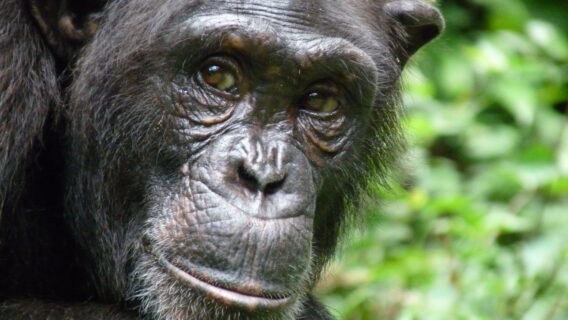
(549, 38)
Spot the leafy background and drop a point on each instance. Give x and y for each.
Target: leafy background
(477, 226)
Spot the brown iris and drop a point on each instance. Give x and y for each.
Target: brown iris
(320, 102)
(220, 78)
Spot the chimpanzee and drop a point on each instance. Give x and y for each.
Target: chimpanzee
(190, 159)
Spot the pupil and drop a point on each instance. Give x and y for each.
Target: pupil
(214, 74)
(315, 100)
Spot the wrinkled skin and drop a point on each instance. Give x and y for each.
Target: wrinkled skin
(190, 159)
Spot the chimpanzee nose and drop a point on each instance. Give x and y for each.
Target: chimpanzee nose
(263, 178)
(262, 170)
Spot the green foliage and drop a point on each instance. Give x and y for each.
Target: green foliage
(476, 226)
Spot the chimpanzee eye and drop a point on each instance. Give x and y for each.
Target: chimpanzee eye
(321, 100)
(220, 77)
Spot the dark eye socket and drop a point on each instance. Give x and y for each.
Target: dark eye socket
(321, 98)
(221, 76)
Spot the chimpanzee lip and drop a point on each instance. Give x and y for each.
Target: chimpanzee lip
(229, 297)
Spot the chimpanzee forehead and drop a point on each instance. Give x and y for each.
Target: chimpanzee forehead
(230, 32)
(302, 25)
(287, 15)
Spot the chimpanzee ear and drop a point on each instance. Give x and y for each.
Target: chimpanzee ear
(421, 21)
(67, 24)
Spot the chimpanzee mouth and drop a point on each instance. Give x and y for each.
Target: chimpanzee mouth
(230, 297)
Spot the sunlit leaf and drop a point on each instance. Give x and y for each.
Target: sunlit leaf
(549, 38)
(486, 141)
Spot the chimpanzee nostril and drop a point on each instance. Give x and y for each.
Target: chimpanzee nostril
(274, 187)
(260, 177)
(247, 179)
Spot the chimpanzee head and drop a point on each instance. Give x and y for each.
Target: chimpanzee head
(214, 144)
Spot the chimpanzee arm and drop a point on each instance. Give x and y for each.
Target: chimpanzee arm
(39, 310)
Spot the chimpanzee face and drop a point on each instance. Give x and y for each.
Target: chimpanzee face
(216, 142)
